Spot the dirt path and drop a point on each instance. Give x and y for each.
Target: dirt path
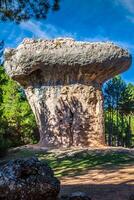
(102, 184)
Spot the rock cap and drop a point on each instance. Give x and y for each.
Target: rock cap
(99, 60)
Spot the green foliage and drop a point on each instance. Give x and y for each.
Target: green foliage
(113, 91)
(22, 10)
(119, 112)
(16, 118)
(126, 103)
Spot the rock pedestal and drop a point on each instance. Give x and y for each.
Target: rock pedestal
(62, 79)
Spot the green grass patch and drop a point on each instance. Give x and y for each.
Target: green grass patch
(77, 163)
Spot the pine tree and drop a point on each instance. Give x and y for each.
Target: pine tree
(113, 91)
(16, 115)
(22, 10)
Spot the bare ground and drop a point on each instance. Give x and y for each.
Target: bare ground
(104, 184)
(101, 183)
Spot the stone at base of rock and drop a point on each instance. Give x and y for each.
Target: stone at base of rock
(76, 196)
(28, 179)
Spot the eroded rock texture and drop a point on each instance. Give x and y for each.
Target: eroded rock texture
(62, 79)
(24, 179)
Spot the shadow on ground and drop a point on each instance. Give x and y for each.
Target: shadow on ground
(106, 174)
(101, 191)
(77, 162)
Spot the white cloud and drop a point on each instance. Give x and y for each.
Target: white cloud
(41, 30)
(128, 4)
(34, 28)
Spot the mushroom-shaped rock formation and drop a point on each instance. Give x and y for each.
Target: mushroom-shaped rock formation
(62, 79)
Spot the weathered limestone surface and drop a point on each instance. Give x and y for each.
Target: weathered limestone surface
(62, 79)
(24, 179)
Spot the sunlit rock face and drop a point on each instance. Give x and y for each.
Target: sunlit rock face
(62, 79)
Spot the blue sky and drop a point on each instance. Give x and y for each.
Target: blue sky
(86, 20)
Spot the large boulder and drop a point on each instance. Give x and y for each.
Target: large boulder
(28, 179)
(62, 79)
